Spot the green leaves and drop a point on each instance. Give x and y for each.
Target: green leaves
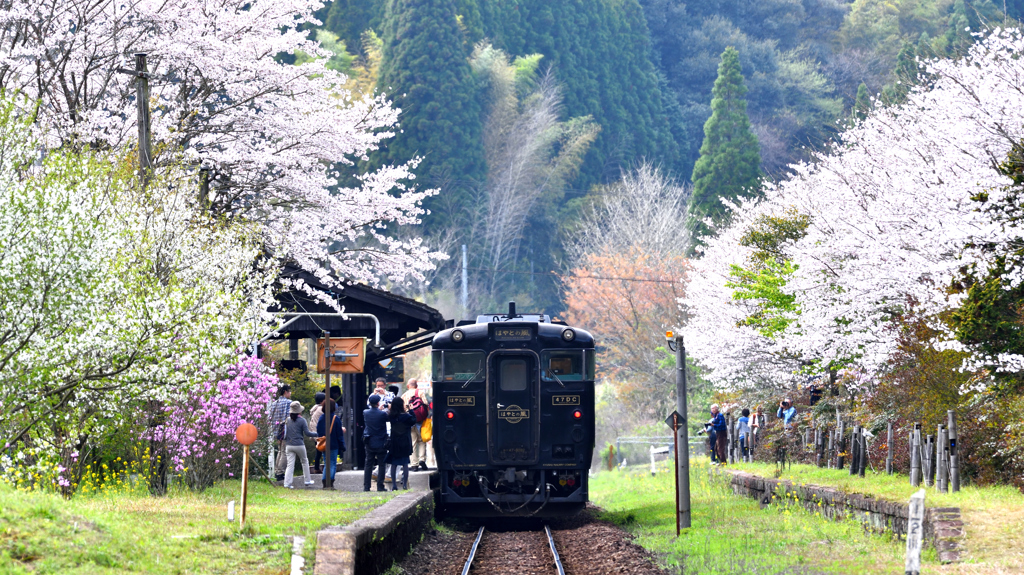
(778, 308)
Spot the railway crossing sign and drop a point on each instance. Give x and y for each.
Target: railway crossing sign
(674, 421)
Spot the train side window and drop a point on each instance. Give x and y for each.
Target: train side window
(513, 375)
(459, 365)
(564, 365)
(435, 366)
(591, 372)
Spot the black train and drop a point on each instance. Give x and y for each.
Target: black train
(513, 416)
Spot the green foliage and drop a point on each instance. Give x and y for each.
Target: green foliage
(600, 52)
(348, 19)
(426, 72)
(728, 167)
(862, 106)
(766, 286)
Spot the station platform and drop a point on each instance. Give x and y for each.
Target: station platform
(353, 481)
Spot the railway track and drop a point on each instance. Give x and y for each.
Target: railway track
(523, 544)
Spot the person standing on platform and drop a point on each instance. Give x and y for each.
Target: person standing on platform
(743, 431)
(296, 430)
(278, 413)
(418, 460)
(337, 432)
(721, 433)
(401, 446)
(375, 440)
(314, 418)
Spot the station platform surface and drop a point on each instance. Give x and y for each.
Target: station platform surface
(353, 481)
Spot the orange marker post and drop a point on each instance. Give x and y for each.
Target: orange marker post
(246, 435)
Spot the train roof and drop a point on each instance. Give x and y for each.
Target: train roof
(547, 334)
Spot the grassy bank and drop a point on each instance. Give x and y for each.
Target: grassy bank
(732, 534)
(993, 515)
(181, 533)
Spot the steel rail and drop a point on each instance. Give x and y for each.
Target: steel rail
(551, 543)
(472, 551)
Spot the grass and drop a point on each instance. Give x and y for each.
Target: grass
(993, 515)
(731, 534)
(184, 532)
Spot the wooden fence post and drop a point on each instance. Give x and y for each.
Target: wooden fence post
(888, 447)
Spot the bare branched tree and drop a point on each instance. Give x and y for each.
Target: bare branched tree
(644, 211)
(530, 152)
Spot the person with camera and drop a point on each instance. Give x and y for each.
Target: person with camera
(786, 413)
(721, 433)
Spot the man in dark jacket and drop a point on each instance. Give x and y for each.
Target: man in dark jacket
(375, 439)
(721, 433)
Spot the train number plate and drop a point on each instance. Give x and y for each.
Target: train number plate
(565, 400)
(461, 401)
(512, 334)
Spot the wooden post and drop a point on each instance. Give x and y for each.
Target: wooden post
(854, 450)
(941, 457)
(831, 438)
(245, 484)
(888, 447)
(862, 467)
(954, 467)
(841, 439)
(611, 457)
(930, 477)
(915, 456)
(915, 533)
(675, 450)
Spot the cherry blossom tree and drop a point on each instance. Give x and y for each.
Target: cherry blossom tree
(283, 140)
(112, 296)
(891, 222)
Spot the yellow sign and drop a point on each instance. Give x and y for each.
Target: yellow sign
(461, 401)
(514, 414)
(565, 400)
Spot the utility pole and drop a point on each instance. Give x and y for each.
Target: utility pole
(142, 103)
(142, 109)
(465, 281)
(678, 421)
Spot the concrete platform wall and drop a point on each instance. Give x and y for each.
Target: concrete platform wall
(370, 545)
(943, 527)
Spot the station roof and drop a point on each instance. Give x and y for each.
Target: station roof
(398, 316)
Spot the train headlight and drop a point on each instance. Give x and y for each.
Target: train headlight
(450, 414)
(578, 414)
(458, 336)
(568, 334)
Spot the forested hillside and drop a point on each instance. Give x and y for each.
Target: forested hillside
(599, 86)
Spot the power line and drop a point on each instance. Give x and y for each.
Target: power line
(640, 280)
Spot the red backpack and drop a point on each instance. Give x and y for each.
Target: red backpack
(418, 408)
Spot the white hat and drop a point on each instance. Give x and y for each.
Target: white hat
(296, 407)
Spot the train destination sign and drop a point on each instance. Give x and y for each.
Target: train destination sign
(565, 400)
(512, 334)
(461, 401)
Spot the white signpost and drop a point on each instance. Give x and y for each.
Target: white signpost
(915, 533)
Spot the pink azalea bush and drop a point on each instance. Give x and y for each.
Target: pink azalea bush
(199, 431)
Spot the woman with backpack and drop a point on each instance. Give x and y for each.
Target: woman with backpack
(401, 442)
(337, 432)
